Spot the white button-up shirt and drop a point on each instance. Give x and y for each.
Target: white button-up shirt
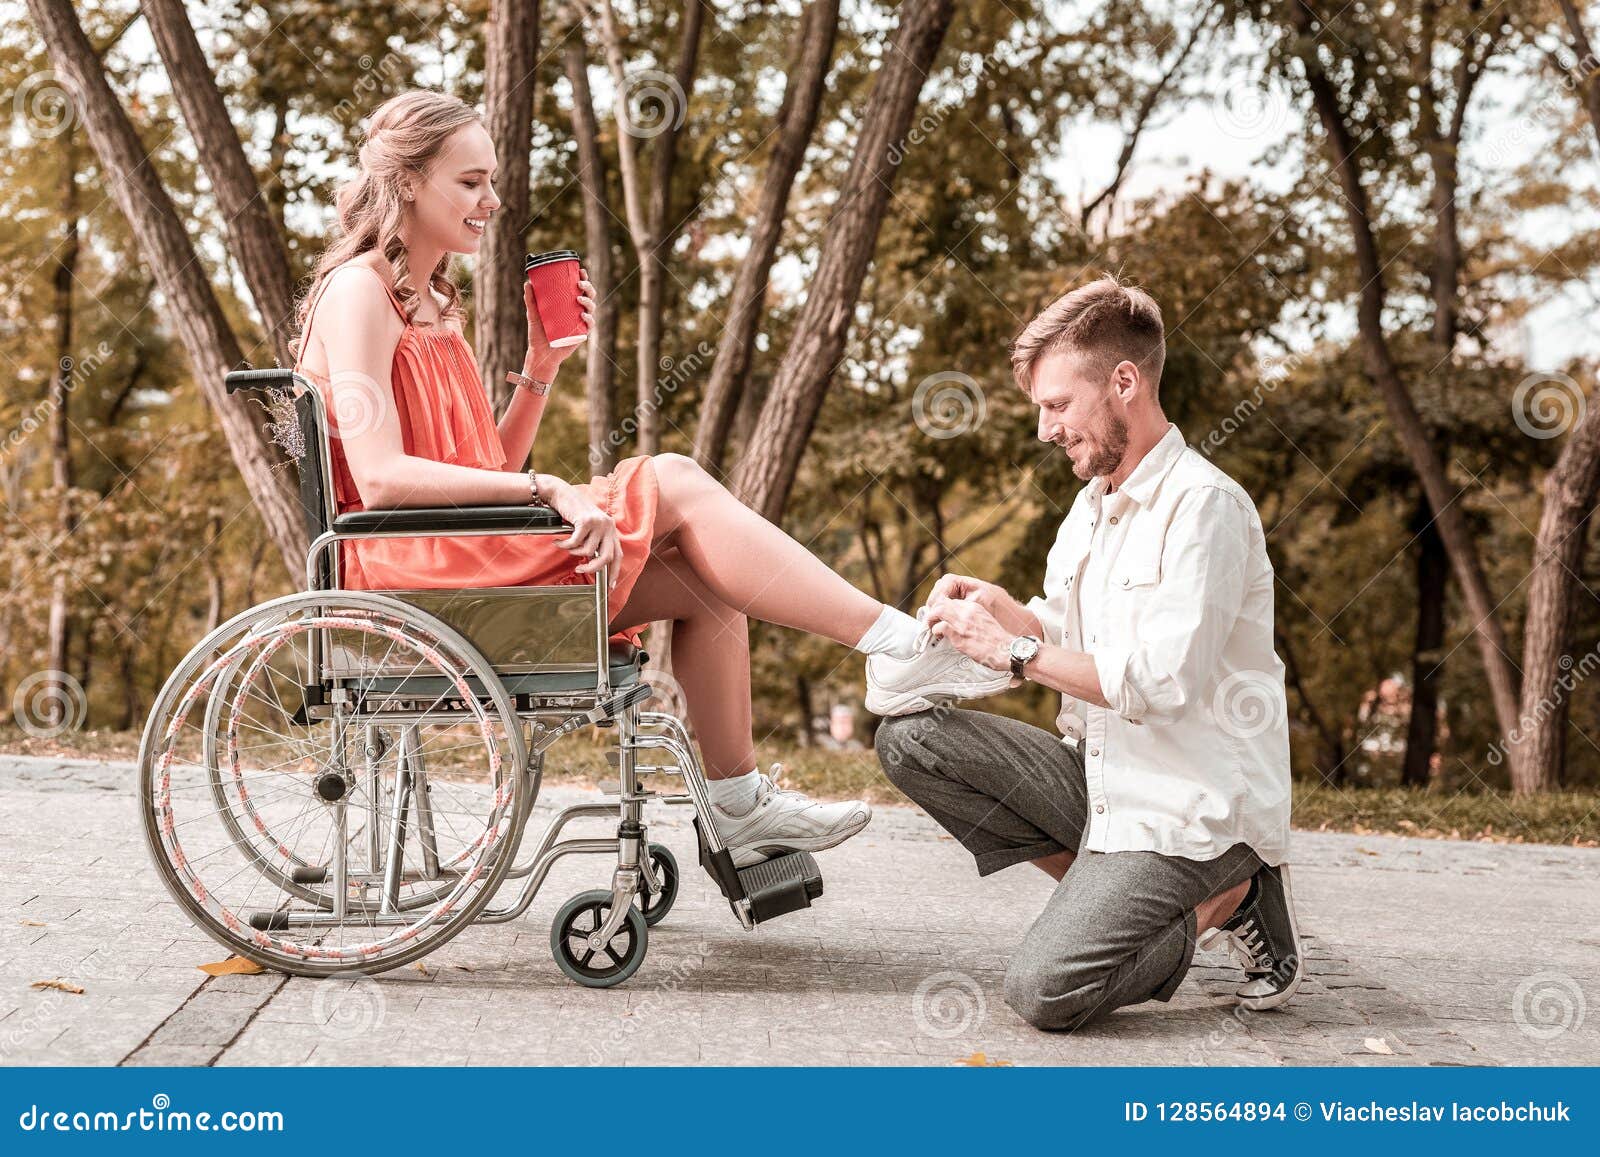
(1166, 583)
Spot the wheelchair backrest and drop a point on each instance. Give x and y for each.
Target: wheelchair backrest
(300, 426)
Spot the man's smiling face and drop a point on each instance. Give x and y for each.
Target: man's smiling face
(1080, 411)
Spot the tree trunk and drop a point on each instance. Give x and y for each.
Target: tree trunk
(1570, 492)
(191, 308)
(1443, 145)
(1384, 373)
(797, 119)
(1427, 657)
(767, 470)
(511, 60)
(247, 216)
(58, 631)
(600, 351)
(647, 209)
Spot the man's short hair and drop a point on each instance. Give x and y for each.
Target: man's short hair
(1105, 321)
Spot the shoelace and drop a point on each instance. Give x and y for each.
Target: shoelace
(1247, 947)
(771, 778)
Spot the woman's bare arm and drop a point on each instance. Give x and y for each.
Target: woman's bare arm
(360, 349)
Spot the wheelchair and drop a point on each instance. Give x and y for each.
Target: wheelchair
(341, 780)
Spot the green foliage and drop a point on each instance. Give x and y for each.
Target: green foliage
(1255, 276)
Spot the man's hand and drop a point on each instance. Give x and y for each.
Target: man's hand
(1010, 614)
(972, 629)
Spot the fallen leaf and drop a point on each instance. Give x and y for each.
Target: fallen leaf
(35, 923)
(233, 966)
(1376, 1044)
(980, 1061)
(59, 985)
(1368, 852)
(419, 968)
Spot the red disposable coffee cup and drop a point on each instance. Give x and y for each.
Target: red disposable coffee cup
(554, 277)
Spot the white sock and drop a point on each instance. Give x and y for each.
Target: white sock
(894, 634)
(736, 794)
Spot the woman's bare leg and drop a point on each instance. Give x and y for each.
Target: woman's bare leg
(710, 657)
(750, 564)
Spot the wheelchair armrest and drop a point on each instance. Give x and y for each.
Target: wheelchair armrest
(269, 379)
(449, 519)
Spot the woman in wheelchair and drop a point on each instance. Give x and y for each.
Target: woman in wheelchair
(411, 426)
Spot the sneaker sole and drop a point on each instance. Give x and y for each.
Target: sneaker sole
(748, 855)
(923, 698)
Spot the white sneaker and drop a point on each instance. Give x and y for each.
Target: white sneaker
(786, 821)
(938, 673)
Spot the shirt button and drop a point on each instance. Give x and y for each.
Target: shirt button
(1099, 807)
(1095, 751)
(1113, 520)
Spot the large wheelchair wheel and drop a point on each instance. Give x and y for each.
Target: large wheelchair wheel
(333, 781)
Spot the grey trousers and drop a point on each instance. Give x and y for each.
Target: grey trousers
(1120, 926)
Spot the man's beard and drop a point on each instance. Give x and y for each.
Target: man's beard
(1108, 455)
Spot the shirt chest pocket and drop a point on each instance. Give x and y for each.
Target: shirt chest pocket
(1131, 590)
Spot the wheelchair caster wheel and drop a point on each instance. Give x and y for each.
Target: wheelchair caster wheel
(590, 966)
(665, 866)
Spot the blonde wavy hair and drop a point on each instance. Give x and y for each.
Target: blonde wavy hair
(403, 139)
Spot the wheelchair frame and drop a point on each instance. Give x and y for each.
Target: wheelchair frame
(614, 700)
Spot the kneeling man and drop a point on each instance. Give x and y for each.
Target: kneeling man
(1163, 807)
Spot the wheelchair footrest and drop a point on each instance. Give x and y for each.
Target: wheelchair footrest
(782, 884)
(773, 887)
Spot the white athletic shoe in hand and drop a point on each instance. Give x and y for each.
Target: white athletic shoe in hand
(938, 673)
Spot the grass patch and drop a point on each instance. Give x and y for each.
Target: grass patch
(1563, 817)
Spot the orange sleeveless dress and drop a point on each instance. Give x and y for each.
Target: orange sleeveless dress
(444, 415)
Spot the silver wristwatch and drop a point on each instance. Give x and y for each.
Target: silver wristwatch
(1024, 649)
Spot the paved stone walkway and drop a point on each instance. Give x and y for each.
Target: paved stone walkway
(1422, 952)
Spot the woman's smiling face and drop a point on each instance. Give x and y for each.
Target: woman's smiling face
(454, 201)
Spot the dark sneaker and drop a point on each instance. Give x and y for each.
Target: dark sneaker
(1263, 940)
